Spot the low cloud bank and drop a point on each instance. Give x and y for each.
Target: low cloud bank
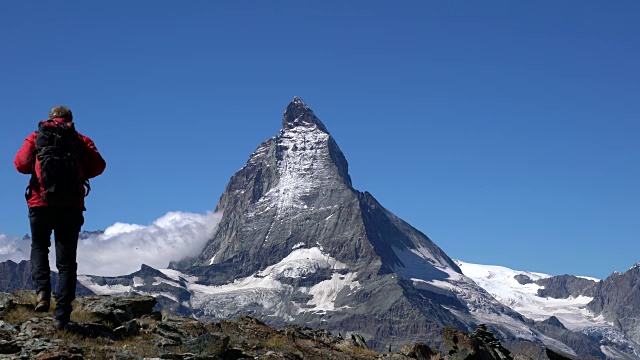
(14, 249)
(122, 248)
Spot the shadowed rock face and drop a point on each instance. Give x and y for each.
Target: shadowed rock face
(616, 298)
(17, 276)
(523, 279)
(563, 286)
(576, 340)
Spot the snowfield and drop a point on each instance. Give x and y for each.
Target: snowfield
(500, 282)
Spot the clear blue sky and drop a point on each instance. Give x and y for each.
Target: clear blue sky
(505, 131)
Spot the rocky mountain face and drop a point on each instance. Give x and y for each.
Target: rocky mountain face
(563, 286)
(616, 298)
(570, 308)
(17, 276)
(298, 244)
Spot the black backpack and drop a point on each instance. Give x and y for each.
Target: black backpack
(57, 150)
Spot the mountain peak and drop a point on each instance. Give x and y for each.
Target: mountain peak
(299, 114)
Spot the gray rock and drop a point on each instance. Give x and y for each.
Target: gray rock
(523, 279)
(7, 303)
(359, 341)
(208, 344)
(563, 286)
(128, 328)
(116, 309)
(616, 298)
(171, 336)
(93, 330)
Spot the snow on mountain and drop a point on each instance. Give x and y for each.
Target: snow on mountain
(523, 296)
(298, 169)
(103, 289)
(268, 287)
(421, 265)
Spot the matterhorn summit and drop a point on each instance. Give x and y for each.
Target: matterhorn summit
(298, 244)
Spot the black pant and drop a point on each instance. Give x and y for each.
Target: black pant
(66, 224)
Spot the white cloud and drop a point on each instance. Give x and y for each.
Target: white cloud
(14, 249)
(122, 248)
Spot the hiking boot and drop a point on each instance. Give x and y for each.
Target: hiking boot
(43, 301)
(60, 324)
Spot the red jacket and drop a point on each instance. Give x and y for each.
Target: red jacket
(92, 166)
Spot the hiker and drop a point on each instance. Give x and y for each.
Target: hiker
(60, 161)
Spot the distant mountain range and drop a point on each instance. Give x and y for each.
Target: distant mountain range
(297, 244)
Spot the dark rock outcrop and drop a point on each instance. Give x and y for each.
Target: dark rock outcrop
(616, 298)
(481, 345)
(589, 346)
(523, 279)
(563, 286)
(17, 276)
(553, 321)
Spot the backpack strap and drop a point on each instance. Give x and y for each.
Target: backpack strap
(33, 182)
(87, 186)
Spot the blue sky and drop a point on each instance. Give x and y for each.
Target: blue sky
(505, 131)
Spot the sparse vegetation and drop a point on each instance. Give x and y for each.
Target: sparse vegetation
(26, 296)
(83, 317)
(358, 351)
(348, 348)
(101, 348)
(179, 349)
(139, 345)
(276, 342)
(19, 315)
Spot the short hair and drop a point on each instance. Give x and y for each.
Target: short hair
(61, 112)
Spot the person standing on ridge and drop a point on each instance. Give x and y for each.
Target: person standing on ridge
(61, 161)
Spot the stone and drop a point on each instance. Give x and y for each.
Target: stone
(418, 351)
(129, 328)
(116, 309)
(208, 344)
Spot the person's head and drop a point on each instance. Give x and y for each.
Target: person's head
(61, 112)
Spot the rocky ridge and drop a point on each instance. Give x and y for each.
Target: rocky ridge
(113, 327)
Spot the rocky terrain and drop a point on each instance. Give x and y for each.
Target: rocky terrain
(111, 327)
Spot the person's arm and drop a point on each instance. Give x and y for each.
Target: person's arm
(24, 158)
(93, 164)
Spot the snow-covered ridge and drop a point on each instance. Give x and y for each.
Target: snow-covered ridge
(264, 288)
(500, 282)
(302, 169)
